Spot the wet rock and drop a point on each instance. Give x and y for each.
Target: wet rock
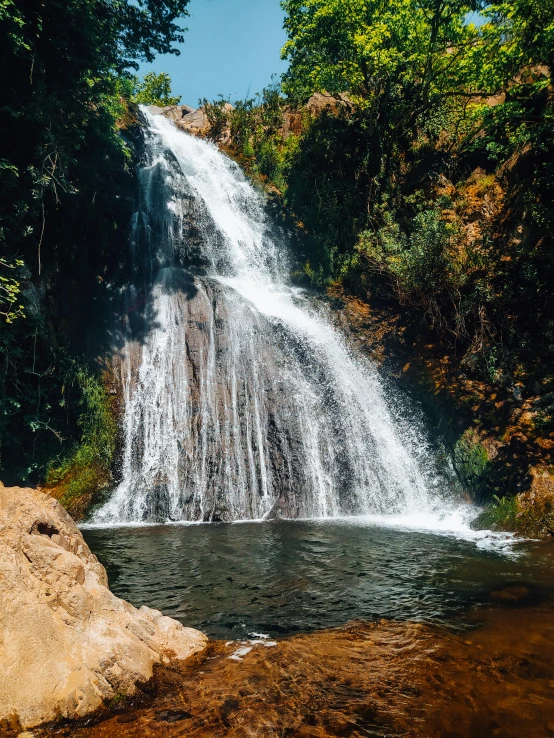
(67, 644)
(385, 679)
(172, 716)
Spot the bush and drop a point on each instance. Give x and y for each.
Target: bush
(218, 117)
(498, 515)
(86, 470)
(421, 266)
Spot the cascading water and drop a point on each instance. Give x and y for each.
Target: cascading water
(242, 401)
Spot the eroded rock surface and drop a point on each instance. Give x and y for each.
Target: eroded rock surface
(535, 506)
(67, 644)
(186, 118)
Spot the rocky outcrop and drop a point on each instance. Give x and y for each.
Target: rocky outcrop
(535, 506)
(67, 644)
(196, 123)
(226, 356)
(186, 118)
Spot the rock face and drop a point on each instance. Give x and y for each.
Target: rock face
(186, 118)
(228, 371)
(67, 644)
(535, 506)
(196, 123)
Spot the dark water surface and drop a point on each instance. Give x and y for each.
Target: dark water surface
(279, 578)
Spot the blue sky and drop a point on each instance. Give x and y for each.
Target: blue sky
(232, 47)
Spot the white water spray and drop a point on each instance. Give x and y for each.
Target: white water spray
(242, 400)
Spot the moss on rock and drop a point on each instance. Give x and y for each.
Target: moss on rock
(500, 514)
(471, 460)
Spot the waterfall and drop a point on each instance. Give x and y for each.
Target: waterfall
(242, 399)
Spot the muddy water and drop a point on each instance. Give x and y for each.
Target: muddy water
(380, 679)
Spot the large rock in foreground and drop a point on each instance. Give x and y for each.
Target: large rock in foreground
(67, 644)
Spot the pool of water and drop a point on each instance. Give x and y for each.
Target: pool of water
(277, 578)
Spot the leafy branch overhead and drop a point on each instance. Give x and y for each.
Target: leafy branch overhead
(9, 291)
(67, 79)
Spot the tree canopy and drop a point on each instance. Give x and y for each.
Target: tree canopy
(368, 48)
(66, 74)
(154, 89)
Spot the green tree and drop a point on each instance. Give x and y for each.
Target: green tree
(369, 47)
(155, 89)
(65, 192)
(400, 60)
(423, 93)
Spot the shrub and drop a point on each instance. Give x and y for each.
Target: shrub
(421, 266)
(86, 470)
(498, 515)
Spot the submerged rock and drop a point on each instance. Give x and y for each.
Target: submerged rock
(389, 678)
(67, 644)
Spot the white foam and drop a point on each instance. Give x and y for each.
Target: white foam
(240, 653)
(283, 385)
(453, 523)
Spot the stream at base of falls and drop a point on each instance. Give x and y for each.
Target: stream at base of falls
(283, 577)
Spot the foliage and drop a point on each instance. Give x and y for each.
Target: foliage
(372, 49)
(155, 89)
(380, 182)
(501, 514)
(217, 115)
(253, 129)
(377, 50)
(9, 292)
(423, 267)
(66, 188)
(87, 467)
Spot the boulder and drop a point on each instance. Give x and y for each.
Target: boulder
(176, 112)
(67, 644)
(196, 123)
(320, 102)
(155, 109)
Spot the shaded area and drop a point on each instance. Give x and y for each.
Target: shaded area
(492, 432)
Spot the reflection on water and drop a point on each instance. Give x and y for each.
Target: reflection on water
(281, 578)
